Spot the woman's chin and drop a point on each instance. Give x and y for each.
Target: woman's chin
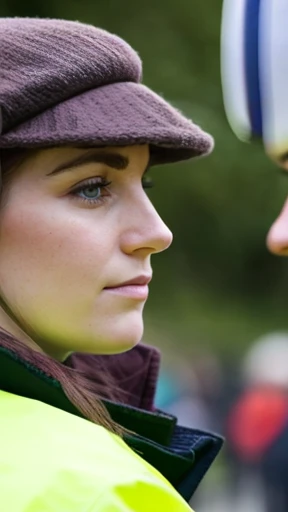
(110, 336)
(116, 337)
(111, 345)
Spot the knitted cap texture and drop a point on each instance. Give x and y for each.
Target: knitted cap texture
(69, 83)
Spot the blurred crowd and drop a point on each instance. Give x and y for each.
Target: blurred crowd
(248, 404)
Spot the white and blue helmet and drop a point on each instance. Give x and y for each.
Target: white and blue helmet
(254, 69)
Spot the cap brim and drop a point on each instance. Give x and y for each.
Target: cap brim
(119, 114)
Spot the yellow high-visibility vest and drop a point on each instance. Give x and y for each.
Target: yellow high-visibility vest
(54, 461)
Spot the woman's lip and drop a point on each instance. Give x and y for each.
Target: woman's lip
(139, 280)
(133, 291)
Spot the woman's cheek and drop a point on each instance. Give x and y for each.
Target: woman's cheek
(70, 244)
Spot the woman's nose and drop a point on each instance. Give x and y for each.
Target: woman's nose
(277, 238)
(146, 232)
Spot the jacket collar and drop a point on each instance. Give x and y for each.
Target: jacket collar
(133, 374)
(182, 455)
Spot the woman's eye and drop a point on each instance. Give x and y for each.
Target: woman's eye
(92, 192)
(95, 190)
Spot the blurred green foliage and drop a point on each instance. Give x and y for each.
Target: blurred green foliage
(217, 284)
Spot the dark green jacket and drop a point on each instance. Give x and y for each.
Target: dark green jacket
(181, 455)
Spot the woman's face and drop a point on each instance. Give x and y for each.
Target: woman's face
(277, 239)
(76, 224)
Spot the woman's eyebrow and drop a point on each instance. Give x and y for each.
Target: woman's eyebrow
(114, 160)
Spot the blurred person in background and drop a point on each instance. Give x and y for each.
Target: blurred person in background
(257, 424)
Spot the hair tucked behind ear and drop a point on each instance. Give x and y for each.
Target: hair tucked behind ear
(76, 386)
